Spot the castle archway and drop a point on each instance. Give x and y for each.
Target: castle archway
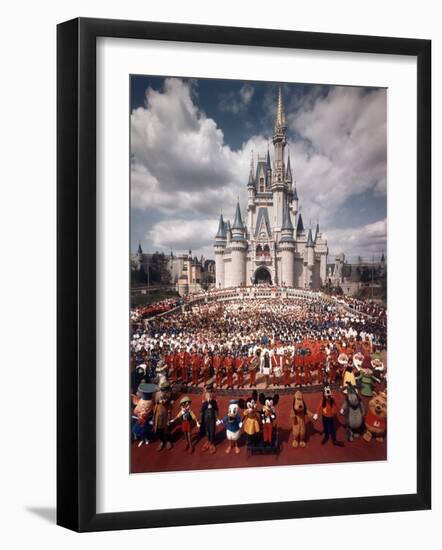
(262, 276)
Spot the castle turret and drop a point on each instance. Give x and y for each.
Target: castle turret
(310, 259)
(251, 193)
(279, 185)
(220, 246)
(300, 225)
(238, 248)
(287, 248)
(316, 232)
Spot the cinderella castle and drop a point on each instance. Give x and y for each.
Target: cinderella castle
(270, 245)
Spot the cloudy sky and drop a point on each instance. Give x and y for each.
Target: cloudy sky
(191, 143)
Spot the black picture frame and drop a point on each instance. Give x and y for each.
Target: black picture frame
(76, 273)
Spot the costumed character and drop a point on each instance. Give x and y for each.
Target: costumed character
(299, 415)
(208, 418)
(161, 415)
(268, 416)
(142, 413)
(138, 376)
(353, 410)
(252, 419)
(376, 417)
(327, 408)
(187, 417)
(232, 423)
(161, 372)
(367, 379)
(348, 377)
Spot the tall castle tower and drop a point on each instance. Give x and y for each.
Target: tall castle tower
(267, 248)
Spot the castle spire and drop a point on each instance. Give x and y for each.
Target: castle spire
(237, 222)
(251, 181)
(221, 233)
(280, 116)
(288, 172)
(140, 250)
(269, 164)
(317, 232)
(310, 242)
(299, 225)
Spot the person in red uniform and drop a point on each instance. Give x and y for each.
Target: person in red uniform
(333, 372)
(298, 376)
(308, 374)
(175, 367)
(287, 369)
(228, 365)
(239, 366)
(195, 362)
(320, 373)
(207, 366)
(254, 364)
(218, 366)
(184, 364)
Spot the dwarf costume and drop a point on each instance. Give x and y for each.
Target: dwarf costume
(161, 416)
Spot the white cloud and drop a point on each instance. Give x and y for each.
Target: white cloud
(181, 166)
(342, 150)
(184, 234)
(364, 241)
(179, 159)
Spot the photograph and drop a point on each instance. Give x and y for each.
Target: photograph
(258, 274)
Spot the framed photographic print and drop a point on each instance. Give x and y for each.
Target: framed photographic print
(243, 274)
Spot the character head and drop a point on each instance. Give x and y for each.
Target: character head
(165, 392)
(299, 406)
(352, 396)
(378, 404)
(268, 402)
(327, 393)
(209, 392)
(233, 408)
(185, 403)
(143, 404)
(250, 403)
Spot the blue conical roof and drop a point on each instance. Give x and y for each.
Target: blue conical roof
(310, 239)
(140, 250)
(317, 231)
(288, 172)
(269, 165)
(300, 225)
(222, 228)
(237, 222)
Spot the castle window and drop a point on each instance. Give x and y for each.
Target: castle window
(261, 185)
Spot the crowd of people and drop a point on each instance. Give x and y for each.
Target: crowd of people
(139, 313)
(298, 342)
(369, 307)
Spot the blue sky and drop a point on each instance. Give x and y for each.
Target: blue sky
(191, 142)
